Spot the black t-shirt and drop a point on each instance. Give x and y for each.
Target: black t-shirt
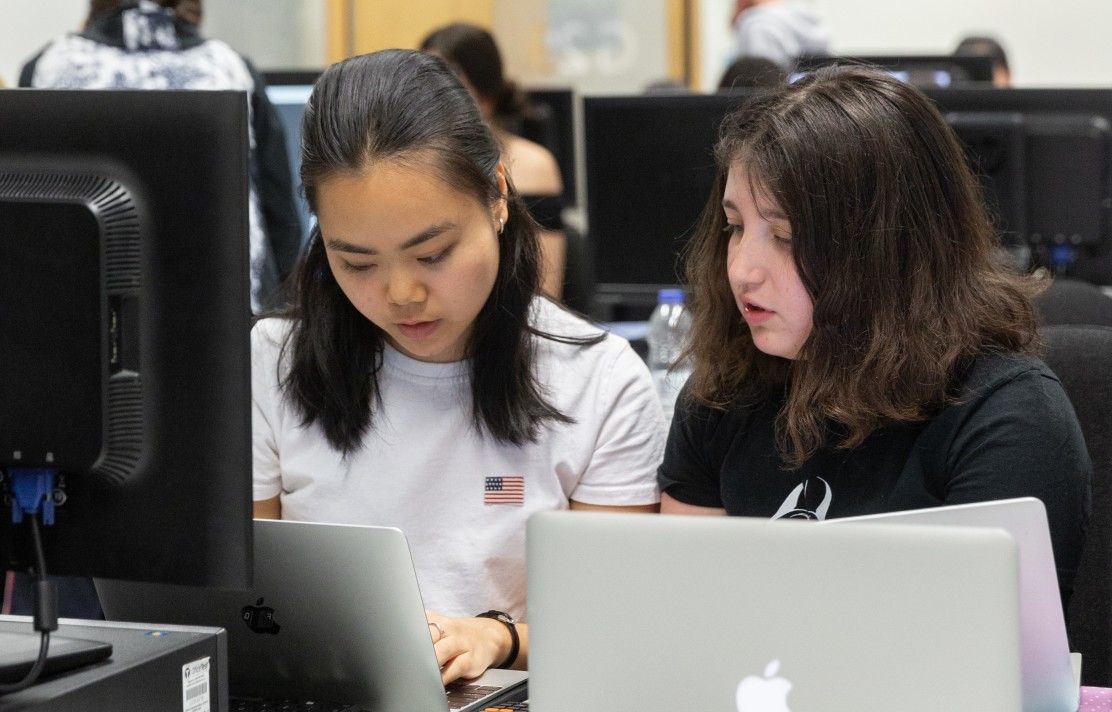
(1013, 433)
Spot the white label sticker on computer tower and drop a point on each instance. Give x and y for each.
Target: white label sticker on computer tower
(195, 686)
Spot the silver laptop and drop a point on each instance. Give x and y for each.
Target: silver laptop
(1051, 679)
(651, 612)
(335, 614)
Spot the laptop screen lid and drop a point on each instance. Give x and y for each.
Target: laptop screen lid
(1049, 680)
(635, 612)
(334, 613)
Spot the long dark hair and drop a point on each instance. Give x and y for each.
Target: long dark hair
(407, 105)
(471, 50)
(892, 240)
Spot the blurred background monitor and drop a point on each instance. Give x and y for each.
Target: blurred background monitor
(126, 330)
(941, 71)
(995, 145)
(289, 92)
(1066, 165)
(1044, 159)
(650, 169)
(550, 121)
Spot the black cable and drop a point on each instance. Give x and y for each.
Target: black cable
(36, 537)
(46, 617)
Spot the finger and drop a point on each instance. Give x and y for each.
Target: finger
(438, 626)
(448, 648)
(460, 666)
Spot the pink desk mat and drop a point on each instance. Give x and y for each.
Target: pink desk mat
(1096, 699)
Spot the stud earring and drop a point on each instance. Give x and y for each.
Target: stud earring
(501, 225)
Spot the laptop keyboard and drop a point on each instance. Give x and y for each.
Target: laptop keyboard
(461, 694)
(243, 704)
(516, 700)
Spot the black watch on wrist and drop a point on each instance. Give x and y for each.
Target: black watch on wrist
(515, 642)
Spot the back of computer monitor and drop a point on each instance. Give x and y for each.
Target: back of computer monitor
(1068, 171)
(1067, 198)
(924, 70)
(650, 170)
(124, 245)
(995, 144)
(550, 121)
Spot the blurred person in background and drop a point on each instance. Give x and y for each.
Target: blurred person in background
(779, 30)
(473, 54)
(157, 45)
(752, 73)
(983, 46)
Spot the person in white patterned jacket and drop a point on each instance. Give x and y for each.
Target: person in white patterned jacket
(157, 45)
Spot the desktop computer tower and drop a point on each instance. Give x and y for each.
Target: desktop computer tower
(152, 669)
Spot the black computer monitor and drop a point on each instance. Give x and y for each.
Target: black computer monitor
(1067, 166)
(291, 77)
(995, 145)
(922, 70)
(126, 313)
(650, 169)
(553, 126)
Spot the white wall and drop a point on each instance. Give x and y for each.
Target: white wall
(28, 25)
(1063, 43)
(274, 34)
(595, 46)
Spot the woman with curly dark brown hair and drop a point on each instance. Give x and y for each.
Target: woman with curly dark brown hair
(859, 345)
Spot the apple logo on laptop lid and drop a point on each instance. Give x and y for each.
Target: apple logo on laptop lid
(764, 694)
(260, 618)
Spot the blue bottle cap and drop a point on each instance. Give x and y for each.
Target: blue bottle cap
(670, 296)
(1062, 256)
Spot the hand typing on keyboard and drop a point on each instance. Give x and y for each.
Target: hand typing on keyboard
(467, 647)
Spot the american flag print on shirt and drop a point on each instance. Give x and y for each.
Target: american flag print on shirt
(505, 490)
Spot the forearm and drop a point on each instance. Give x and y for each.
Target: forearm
(268, 508)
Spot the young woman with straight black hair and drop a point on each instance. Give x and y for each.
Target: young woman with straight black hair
(420, 381)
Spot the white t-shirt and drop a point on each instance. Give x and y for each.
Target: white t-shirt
(424, 469)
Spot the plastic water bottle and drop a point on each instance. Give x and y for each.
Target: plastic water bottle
(669, 326)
